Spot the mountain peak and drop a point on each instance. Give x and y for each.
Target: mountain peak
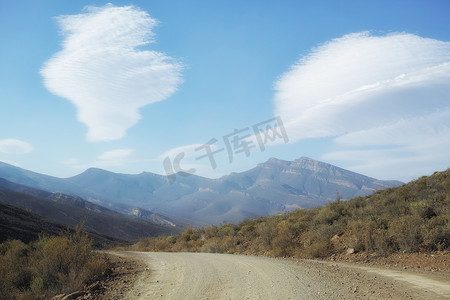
(95, 170)
(274, 160)
(304, 158)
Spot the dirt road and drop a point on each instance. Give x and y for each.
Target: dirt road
(222, 276)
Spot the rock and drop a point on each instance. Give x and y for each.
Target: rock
(73, 295)
(350, 250)
(335, 238)
(95, 286)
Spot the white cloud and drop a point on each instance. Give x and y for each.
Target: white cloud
(14, 146)
(101, 71)
(384, 99)
(117, 155)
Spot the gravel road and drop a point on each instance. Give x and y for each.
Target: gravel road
(223, 276)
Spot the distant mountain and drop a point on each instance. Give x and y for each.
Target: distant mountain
(269, 188)
(71, 211)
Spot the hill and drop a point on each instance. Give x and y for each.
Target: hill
(30, 180)
(69, 210)
(19, 224)
(411, 218)
(267, 189)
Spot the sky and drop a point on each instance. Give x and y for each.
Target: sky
(213, 87)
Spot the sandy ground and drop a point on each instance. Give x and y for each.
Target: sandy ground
(224, 276)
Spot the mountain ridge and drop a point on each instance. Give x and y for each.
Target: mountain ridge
(268, 188)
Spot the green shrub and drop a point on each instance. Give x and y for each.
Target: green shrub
(38, 286)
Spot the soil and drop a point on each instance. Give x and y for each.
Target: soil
(436, 261)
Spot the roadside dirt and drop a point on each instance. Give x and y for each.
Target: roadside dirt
(125, 270)
(436, 261)
(148, 275)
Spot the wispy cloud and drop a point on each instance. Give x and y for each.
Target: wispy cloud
(187, 159)
(71, 161)
(15, 146)
(108, 159)
(103, 73)
(406, 149)
(382, 98)
(115, 156)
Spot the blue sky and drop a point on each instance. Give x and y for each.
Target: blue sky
(364, 85)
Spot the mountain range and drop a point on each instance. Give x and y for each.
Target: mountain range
(269, 188)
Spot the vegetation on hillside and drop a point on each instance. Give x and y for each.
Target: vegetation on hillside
(48, 266)
(411, 218)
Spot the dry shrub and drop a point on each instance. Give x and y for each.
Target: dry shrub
(143, 244)
(15, 272)
(282, 243)
(329, 214)
(318, 248)
(266, 233)
(189, 234)
(162, 244)
(315, 243)
(211, 246)
(210, 231)
(94, 268)
(49, 266)
(382, 242)
(425, 209)
(406, 232)
(226, 244)
(436, 233)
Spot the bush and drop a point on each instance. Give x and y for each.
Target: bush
(436, 233)
(48, 266)
(406, 232)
